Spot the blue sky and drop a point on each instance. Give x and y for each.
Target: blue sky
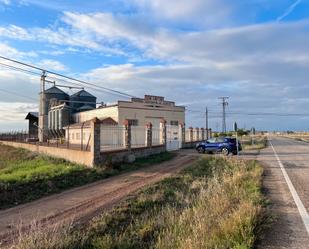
(191, 52)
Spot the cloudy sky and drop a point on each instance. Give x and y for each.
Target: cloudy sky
(256, 52)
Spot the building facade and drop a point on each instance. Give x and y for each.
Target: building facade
(138, 112)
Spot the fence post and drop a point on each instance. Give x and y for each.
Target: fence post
(163, 132)
(191, 134)
(68, 137)
(183, 134)
(203, 134)
(127, 135)
(95, 141)
(149, 134)
(197, 130)
(82, 136)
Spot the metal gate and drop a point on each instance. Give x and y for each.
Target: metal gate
(173, 137)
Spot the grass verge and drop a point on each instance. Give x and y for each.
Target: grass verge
(257, 144)
(26, 176)
(216, 203)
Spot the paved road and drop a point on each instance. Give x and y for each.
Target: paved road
(286, 183)
(84, 202)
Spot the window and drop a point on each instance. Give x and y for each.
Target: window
(212, 140)
(133, 122)
(77, 136)
(220, 140)
(174, 122)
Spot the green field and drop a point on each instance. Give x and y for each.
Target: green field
(215, 203)
(26, 176)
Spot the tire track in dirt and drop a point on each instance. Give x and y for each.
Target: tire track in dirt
(78, 206)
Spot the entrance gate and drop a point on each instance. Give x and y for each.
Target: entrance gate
(173, 137)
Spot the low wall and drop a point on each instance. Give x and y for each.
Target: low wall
(76, 156)
(130, 156)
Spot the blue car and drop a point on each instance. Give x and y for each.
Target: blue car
(224, 145)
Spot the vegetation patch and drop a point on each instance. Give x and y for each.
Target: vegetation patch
(215, 203)
(256, 143)
(26, 176)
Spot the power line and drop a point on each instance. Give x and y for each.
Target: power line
(67, 77)
(17, 94)
(19, 69)
(56, 78)
(254, 114)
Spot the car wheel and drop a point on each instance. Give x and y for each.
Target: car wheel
(225, 151)
(201, 150)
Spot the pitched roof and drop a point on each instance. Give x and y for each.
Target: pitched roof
(32, 115)
(82, 93)
(55, 90)
(87, 124)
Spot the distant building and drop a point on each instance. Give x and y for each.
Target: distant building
(33, 118)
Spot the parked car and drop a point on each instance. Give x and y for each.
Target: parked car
(224, 145)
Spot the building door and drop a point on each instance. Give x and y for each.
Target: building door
(173, 137)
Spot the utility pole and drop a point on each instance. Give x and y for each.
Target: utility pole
(207, 133)
(42, 110)
(224, 105)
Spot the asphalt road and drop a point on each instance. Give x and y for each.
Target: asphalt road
(286, 184)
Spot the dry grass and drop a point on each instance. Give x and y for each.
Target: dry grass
(258, 143)
(224, 214)
(215, 203)
(39, 236)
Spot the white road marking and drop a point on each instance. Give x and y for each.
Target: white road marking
(301, 208)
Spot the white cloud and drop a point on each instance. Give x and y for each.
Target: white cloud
(258, 66)
(53, 65)
(9, 51)
(5, 2)
(198, 12)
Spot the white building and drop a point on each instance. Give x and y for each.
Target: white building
(138, 111)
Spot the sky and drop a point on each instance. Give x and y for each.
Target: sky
(191, 52)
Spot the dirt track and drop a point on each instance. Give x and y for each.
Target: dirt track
(84, 202)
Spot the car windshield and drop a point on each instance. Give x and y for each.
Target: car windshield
(211, 140)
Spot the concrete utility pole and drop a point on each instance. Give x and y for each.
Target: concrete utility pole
(42, 110)
(224, 105)
(207, 136)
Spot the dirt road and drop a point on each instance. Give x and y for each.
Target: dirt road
(84, 202)
(286, 182)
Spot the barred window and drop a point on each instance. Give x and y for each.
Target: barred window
(133, 122)
(174, 122)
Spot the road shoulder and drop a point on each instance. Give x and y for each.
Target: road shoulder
(287, 229)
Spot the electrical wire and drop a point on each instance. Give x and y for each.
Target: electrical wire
(17, 94)
(68, 77)
(116, 92)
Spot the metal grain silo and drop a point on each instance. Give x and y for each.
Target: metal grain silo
(46, 97)
(82, 100)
